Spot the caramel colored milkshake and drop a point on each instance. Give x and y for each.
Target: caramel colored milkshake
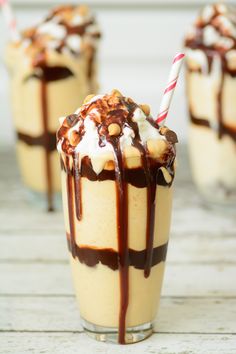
(52, 68)
(117, 173)
(211, 90)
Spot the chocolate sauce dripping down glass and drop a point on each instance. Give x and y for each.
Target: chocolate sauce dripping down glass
(151, 198)
(122, 228)
(70, 203)
(220, 99)
(222, 129)
(151, 195)
(197, 43)
(46, 74)
(145, 176)
(46, 143)
(77, 186)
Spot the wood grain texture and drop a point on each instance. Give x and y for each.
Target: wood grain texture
(70, 343)
(60, 314)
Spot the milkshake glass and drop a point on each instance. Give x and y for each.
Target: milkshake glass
(117, 167)
(211, 90)
(52, 68)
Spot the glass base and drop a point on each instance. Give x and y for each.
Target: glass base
(111, 334)
(39, 200)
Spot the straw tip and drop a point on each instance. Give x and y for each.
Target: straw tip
(178, 57)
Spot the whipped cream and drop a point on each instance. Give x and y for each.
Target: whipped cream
(146, 130)
(52, 29)
(215, 28)
(74, 42)
(207, 13)
(210, 35)
(198, 58)
(102, 122)
(67, 29)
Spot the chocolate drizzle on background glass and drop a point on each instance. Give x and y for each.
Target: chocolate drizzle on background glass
(212, 53)
(46, 74)
(148, 175)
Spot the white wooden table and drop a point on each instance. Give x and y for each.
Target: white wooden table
(38, 313)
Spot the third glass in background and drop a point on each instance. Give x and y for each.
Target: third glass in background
(211, 91)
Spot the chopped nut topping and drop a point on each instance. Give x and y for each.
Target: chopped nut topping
(114, 129)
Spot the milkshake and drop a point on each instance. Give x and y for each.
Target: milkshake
(52, 68)
(117, 168)
(211, 90)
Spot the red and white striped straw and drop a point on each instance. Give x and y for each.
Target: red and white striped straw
(168, 93)
(10, 20)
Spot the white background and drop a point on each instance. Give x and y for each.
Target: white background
(139, 40)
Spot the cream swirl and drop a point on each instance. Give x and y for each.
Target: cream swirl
(105, 119)
(68, 28)
(215, 28)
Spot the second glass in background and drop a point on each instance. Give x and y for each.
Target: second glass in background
(52, 68)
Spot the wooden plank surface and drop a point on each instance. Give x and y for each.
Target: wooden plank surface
(38, 312)
(70, 343)
(176, 315)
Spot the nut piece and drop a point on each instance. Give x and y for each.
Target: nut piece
(170, 136)
(74, 138)
(110, 165)
(116, 93)
(114, 129)
(88, 98)
(157, 148)
(145, 108)
(163, 130)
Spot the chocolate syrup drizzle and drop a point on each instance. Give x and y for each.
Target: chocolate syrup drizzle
(122, 230)
(45, 74)
(125, 256)
(70, 201)
(211, 53)
(148, 175)
(222, 128)
(110, 258)
(46, 143)
(78, 190)
(48, 74)
(38, 140)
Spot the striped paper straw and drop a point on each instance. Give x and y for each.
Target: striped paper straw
(10, 20)
(168, 93)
